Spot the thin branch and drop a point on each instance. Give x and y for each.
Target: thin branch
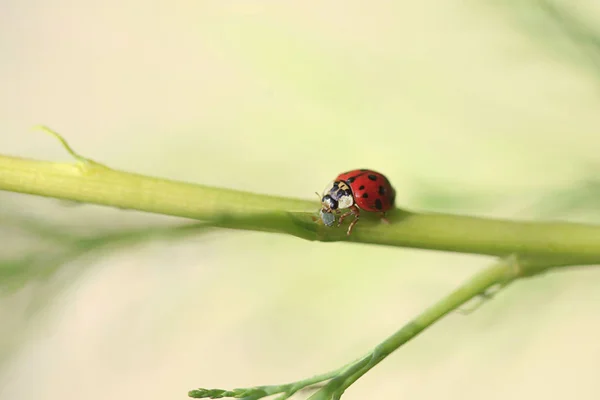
(498, 275)
(501, 273)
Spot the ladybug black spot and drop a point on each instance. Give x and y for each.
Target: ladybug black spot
(351, 179)
(372, 177)
(378, 204)
(363, 170)
(365, 195)
(361, 187)
(381, 190)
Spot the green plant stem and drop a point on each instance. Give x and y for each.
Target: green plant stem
(287, 389)
(90, 182)
(500, 274)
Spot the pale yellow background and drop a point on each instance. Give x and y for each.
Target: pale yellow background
(462, 104)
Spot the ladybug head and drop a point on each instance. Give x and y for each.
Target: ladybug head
(336, 196)
(325, 214)
(329, 203)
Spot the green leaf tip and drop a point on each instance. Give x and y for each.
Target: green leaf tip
(220, 393)
(68, 148)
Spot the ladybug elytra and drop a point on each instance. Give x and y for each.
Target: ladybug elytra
(359, 189)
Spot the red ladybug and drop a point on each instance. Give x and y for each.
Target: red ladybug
(355, 190)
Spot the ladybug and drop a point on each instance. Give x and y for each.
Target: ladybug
(359, 189)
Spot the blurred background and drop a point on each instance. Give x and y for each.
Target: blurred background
(481, 107)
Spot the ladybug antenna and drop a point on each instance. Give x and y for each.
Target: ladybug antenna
(318, 195)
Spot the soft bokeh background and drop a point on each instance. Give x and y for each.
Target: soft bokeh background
(481, 107)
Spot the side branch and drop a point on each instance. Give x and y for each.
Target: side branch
(336, 382)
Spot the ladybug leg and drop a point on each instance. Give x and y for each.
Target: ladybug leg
(384, 219)
(342, 217)
(346, 214)
(352, 225)
(353, 211)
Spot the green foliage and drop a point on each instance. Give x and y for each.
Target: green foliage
(534, 247)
